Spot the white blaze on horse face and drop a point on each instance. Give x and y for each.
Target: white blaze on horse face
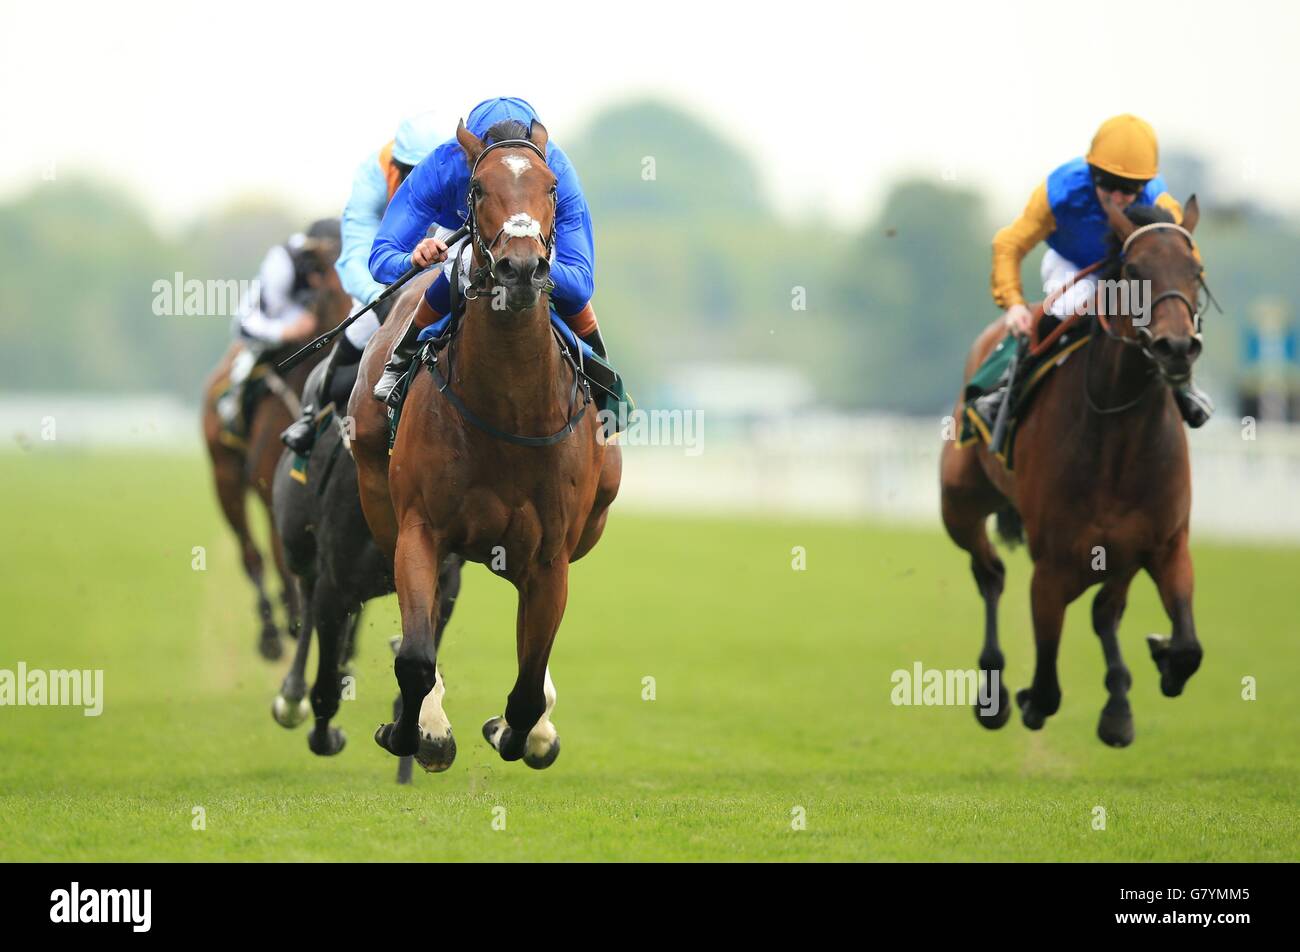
(542, 736)
(516, 164)
(522, 225)
(433, 722)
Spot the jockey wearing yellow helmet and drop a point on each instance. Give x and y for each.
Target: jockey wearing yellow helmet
(1067, 211)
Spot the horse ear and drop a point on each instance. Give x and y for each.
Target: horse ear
(471, 143)
(1191, 214)
(538, 135)
(1119, 222)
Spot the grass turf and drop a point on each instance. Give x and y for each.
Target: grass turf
(772, 700)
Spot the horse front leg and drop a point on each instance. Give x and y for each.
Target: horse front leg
(526, 730)
(415, 570)
(1115, 728)
(437, 743)
(1176, 657)
(290, 707)
(1042, 698)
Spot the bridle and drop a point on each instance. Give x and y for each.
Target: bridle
(484, 277)
(1142, 336)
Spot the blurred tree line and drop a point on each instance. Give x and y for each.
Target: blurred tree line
(692, 265)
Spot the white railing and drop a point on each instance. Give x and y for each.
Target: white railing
(821, 465)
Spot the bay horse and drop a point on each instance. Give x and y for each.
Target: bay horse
(496, 462)
(1100, 479)
(239, 467)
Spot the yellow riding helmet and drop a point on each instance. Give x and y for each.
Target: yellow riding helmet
(1126, 146)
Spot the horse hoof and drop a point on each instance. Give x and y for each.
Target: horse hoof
(268, 645)
(436, 754)
(1030, 717)
(995, 717)
(327, 745)
(1115, 730)
(1175, 667)
(386, 737)
(545, 758)
(503, 740)
(289, 713)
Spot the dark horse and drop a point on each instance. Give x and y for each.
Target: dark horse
(1101, 480)
(241, 465)
(453, 489)
(329, 549)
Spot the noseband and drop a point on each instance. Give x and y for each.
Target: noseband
(484, 277)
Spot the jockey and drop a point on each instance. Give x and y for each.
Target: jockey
(436, 193)
(376, 179)
(1066, 211)
(275, 313)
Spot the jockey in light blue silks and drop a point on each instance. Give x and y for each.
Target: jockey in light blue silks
(376, 181)
(274, 313)
(436, 193)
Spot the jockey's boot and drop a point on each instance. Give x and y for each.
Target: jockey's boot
(1193, 403)
(987, 406)
(301, 433)
(386, 389)
(595, 342)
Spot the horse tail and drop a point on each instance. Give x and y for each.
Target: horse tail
(1010, 526)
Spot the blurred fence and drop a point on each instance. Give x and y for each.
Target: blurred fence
(811, 465)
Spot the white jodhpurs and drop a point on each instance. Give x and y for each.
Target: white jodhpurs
(1057, 272)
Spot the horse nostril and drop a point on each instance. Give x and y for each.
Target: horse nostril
(1195, 350)
(1172, 348)
(541, 270)
(505, 270)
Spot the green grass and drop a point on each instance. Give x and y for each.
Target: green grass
(773, 691)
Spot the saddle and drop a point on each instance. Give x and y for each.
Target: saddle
(994, 375)
(234, 431)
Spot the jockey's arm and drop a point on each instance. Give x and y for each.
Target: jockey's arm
(1170, 204)
(574, 268)
(1012, 243)
(405, 222)
(360, 223)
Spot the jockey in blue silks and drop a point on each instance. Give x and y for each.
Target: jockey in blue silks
(373, 186)
(435, 193)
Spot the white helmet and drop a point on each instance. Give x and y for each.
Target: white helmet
(416, 137)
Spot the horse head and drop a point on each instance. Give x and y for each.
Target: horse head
(1161, 255)
(512, 199)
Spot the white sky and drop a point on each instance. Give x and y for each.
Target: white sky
(192, 104)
